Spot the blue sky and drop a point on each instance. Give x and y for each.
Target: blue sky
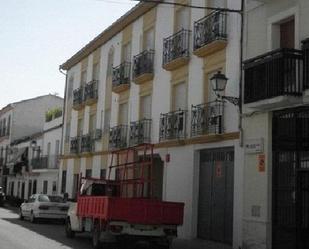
(36, 36)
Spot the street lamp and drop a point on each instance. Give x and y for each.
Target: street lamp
(218, 83)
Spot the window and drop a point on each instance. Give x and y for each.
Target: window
(88, 173)
(63, 181)
(57, 147)
(287, 34)
(103, 173)
(48, 149)
(95, 71)
(182, 19)
(210, 95)
(110, 62)
(126, 52)
(1, 121)
(123, 114)
(92, 122)
(70, 88)
(80, 125)
(67, 132)
(149, 39)
(75, 185)
(54, 188)
(4, 127)
(145, 111)
(107, 118)
(45, 187)
(216, 3)
(83, 79)
(8, 126)
(29, 188)
(180, 96)
(34, 187)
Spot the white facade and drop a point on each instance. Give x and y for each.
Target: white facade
(181, 173)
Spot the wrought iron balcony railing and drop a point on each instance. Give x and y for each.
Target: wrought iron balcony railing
(173, 125)
(140, 132)
(118, 137)
(207, 118)
(143, 63)
(75, 145)
(305, 49)
(209, 29)
(176, 46)
(87, 143)
(91, 91)
(78, 97)
(121, 74)
(273, 74)
(45, 162)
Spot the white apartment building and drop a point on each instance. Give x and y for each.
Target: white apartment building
(275, 122)
(33, 161)
(146, 78)
(21, 119)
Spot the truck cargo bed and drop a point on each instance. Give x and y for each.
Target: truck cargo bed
(131, 210)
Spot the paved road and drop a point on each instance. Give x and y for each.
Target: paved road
(17, 234)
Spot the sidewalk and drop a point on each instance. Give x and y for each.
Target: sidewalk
(198, 244)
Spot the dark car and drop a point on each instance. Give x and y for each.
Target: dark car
(2, 197)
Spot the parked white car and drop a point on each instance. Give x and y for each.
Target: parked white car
(44, 206)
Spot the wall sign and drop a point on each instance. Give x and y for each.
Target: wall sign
(261, 163)
(254, 146)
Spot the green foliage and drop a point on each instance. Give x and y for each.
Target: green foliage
(53, 114)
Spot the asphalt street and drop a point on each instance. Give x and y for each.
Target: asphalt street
(18, 234)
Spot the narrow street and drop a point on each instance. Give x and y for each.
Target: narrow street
(17, 234)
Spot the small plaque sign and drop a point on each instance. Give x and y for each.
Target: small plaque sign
(254, 146)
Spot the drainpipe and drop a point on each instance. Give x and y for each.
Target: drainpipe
(242, 16)
(63, 126)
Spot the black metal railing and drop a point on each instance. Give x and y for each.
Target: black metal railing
(121, 74)
(209, 29)
(75, 145)
(87, 143)
(45, 162)
(78, 96)
(143, 63)
(118, 137)
(207, 118)
(305, 49)
(173, 125)
(176, 46)
(140, 132)
(273, 74)
(91, 90)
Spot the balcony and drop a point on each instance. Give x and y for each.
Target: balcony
(45, 162)
(91, 92)
(207, 118)
(140, 132)
(176, 50)
(143, 67)
(210, 34)
(78, 98)
(118, 137)
(173, 125)
(87, 143)
(274, 79)
(75, 145)
(121, 77)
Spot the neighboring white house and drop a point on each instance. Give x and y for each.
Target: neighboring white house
(167, 100)
(20, 120)
(276, 124)
(34, 161)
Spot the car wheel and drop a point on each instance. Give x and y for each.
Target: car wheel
(68, 229)
(21, 217)
(96, 233)
(32, 217)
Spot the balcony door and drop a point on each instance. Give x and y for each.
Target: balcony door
(180, 96)
(123, 114)
(182, 19)
(149, 39)
(287, 34)
(145, 111)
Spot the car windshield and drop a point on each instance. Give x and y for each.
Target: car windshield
(50, 198)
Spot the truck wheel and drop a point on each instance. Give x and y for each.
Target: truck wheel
(32, 217)
(21, 217)
(68, 229)
(96, 233)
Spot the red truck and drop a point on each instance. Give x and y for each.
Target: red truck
(122, 212)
